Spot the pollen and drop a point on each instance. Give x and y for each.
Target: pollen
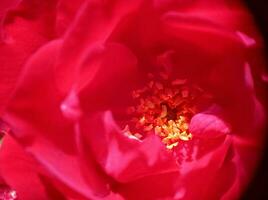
(163, 107)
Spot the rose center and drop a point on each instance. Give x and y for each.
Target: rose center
(163, 107)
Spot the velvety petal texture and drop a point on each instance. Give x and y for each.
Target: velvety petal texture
(26, 27)
(70, 70)
(22, 173)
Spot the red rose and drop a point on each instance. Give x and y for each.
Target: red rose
(130, 100)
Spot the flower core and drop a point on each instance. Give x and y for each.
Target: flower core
(163, 107)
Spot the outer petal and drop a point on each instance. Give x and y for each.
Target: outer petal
(39, 125)
(21, 173)
(106, 15)
(26, 28)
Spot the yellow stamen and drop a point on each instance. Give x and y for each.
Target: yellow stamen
(163, 107)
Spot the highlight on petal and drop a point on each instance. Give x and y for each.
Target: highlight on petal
(248, 41)
(7, 193)
(249, 82)
(205, 125)
(70, 107)
(264, 77)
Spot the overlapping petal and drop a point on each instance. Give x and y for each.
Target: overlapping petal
(25, 29)
(66, 109)
(51, 139)
(89, 34)
(22, 174)
(101, 135)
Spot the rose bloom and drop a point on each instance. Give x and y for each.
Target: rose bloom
(136, 99)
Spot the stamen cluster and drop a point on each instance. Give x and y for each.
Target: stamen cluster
(163, 107)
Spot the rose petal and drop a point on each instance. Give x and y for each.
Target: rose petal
(109, 145)
(96, 33)
(27, 28)
(16, 165)
(208, 126)
(38, 123)
(66, 14)
(105, 76)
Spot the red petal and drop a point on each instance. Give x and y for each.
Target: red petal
(38, 123)
(137, 159)
(89, 34)
(21, 172)
(106, 75)
(66, 14)
(208, 126)
(26, 28)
